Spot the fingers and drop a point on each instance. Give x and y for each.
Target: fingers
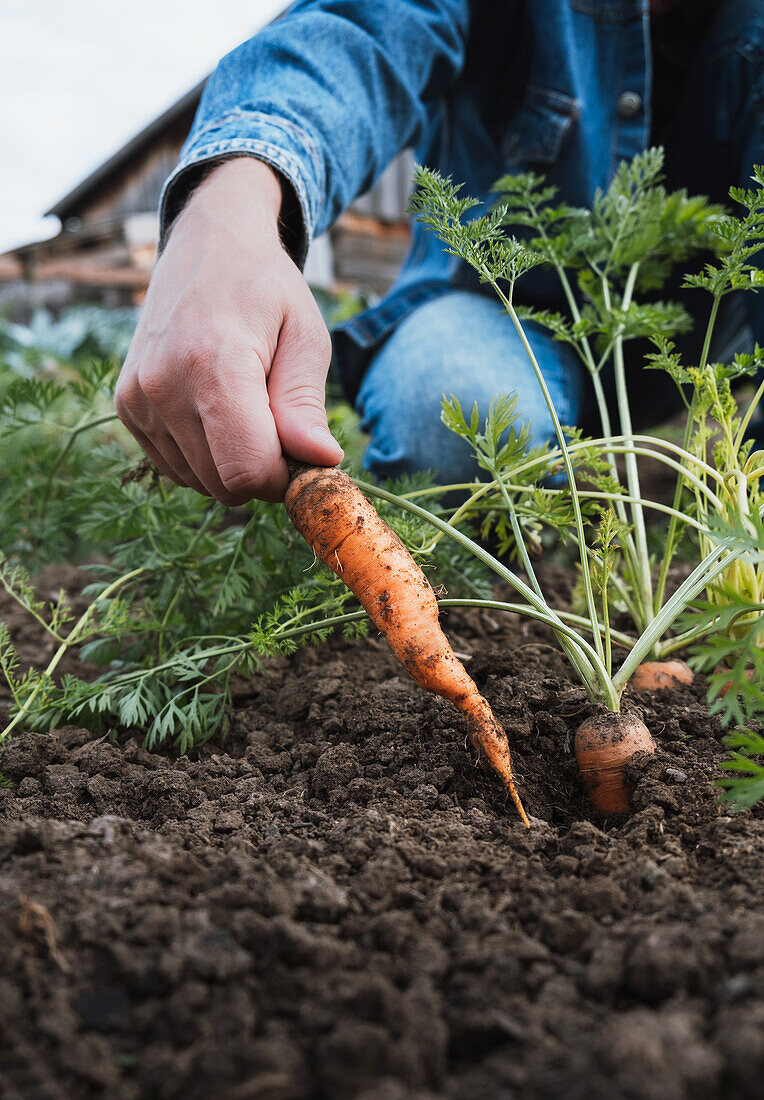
(239, 433)
(211, 443)
(217, 396)
(296, 387)
(154, 438)
(175, 465)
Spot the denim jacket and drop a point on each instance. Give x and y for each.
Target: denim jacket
(334, 89)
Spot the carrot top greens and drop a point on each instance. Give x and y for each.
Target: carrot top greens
(185, 593)
(605, 258)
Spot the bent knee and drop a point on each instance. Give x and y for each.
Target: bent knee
(462, 345)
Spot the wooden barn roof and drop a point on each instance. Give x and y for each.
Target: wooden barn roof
(71, 203)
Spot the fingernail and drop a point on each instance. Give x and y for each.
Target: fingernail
(324, 437)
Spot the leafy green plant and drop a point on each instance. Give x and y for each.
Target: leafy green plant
(743, 781)
(729, 622)
(81, 333)
(185, 594)
(57, 445)
(628, 242)
(731, 652)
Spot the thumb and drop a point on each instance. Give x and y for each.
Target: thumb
(296, 389)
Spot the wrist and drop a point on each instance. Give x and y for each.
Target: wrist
(240, 186)
(247, 177)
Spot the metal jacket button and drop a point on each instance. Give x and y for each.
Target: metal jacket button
(629, 104)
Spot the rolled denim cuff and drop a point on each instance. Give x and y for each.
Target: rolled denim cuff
(277, 141)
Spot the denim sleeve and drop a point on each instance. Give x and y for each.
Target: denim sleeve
(327, 95)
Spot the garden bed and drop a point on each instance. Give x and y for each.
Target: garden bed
(338, 902)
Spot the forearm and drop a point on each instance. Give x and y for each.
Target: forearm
(327, 96)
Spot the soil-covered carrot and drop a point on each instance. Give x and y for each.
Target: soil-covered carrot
(346, 533)
(603, 746)
(661, 675)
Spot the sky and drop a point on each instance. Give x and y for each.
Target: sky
(79, 78)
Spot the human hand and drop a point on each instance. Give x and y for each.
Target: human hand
(227, 367)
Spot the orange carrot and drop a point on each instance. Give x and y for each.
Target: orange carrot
(346, 533)
(603, 746)
(661, 675)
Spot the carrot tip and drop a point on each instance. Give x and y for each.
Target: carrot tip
(520, 808)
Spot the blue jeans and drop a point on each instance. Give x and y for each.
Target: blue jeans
(464, 344)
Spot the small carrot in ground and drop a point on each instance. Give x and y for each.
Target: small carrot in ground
(346, 533)
(603, 747)
(661, 675)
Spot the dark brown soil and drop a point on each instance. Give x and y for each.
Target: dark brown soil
(339, 903)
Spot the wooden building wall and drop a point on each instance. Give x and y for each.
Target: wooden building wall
(107, 245)
(137, 187)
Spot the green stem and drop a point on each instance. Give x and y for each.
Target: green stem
(625, 593)
(673, 531)
(588, 664)
(680, 641)
(594, 494)
(438, 490)
(700, 486)
(562, 443)
(606, 623)
(682, 452)
(30, 610)
(705, 351)
(747, 418)
(200, 531)
(527, 564)
(702, 575)
(457, 515)
(232, 563)
(236, 645)
(654, 442)
(71, 639)
(149, 525)
(8, 669)
(522, 549)
(78, 429)
(643, 575)
(599, 393)
(281, 631)
(531, 613)
(568, 617)
(594, 373)
(493, 605)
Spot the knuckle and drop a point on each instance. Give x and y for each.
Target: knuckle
(262, 316)
(121, 406)
(153, 384)
(319, 344)
(189, 366)
(199, 353)
(125, 400)
(244, 481)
